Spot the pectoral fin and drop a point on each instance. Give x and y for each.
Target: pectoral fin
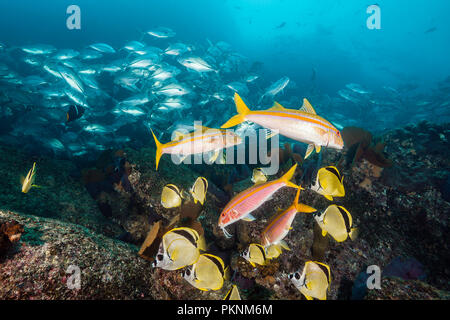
(309, 150)
(214, 156)
(284, 245)
(249, 217)
(324, 233)
(270, 134)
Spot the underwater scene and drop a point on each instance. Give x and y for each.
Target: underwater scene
(224, 150)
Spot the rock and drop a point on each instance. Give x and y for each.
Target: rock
(110, 269)
(10, 233)
(60, 196)
(398, 289)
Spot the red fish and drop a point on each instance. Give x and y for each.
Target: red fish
(251, 199)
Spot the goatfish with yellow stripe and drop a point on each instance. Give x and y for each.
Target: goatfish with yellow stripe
(302, 125)
(338, 222)
(207, 273)
(279, 226)
(329, 183)
(28, 181)
(314, 280)
(180, 247)
(201, 140)
(251, 199)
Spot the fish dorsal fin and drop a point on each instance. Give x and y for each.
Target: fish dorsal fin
(334, 171)
(199, 127)
(277, 106)
(307, 107)
(178, 135)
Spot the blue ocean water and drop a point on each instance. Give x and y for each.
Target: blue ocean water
(115, 86)
(373, 78)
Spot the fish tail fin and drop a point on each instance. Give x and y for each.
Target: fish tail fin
(288, 176)
(159, 149)
(353, 233)
(300, 207)
(242, 111)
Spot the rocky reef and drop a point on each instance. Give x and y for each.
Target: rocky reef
(97, 218)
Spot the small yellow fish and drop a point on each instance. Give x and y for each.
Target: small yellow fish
(314, 280)
(199, 190)
(27, 182)
(255, 254)
(337, 221)
(171, 196)
(207, 273)
(233, 294)
(180, 247)
(258, 176)
(329, 183)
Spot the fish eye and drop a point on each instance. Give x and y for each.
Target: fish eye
(297, 276)
(291, 276)
(188, 272)
(160, 257)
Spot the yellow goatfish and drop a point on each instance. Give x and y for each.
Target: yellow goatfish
(303, 125)
(28, 181)
(201, 140)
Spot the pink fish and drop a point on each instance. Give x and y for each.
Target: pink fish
(280, 225)
(251, 199)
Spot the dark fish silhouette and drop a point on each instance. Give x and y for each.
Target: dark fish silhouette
(281, 25)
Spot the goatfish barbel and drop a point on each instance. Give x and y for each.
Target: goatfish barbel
(302, 125)
(201, 140)
(251, 199)
(280, 225)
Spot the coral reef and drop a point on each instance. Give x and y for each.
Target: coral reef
(401, 210)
